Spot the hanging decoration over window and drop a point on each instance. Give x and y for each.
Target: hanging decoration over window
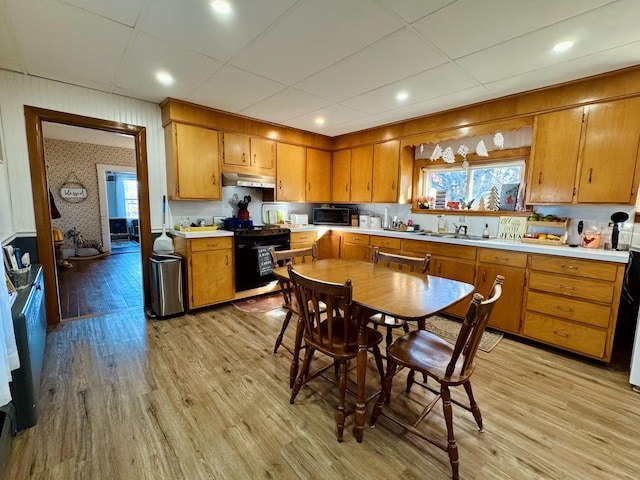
(481, 149)
(437, 153)
(462, 151)
(448, 156)
(498, 140)
(72, 190)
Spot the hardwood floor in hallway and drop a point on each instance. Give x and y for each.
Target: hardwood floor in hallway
(202, 397)
(102, 285)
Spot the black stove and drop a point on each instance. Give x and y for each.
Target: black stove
(257, 231)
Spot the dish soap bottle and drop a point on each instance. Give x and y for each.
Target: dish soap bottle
(485, 231)
(442, 225)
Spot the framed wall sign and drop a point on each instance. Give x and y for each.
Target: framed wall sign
(512, 228)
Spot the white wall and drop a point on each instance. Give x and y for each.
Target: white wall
(16, 91)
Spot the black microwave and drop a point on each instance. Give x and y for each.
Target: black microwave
(332, 216)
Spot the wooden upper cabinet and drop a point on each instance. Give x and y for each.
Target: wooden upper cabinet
(386, 162)
(193, 162)
(291, 176)
(251, 152)
(554, 157)
(318, 175)
(341, 176)
(263, 153)
(361, 174)
(609, 161)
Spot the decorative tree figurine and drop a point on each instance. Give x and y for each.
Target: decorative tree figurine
(493, 201)
(481, 206)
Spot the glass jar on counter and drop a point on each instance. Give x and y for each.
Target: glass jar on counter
(591, 238)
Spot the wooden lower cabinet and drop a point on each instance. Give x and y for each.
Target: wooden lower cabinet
(303, 240)
(356, 246)
(386, 244)
(329, 245)
(210, 273)
(512, 266)
(573, 304)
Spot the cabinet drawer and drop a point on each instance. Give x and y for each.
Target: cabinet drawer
(202, 244)
(300, 237)
(572, 287)
(386, 242)
(572, 266)
(356, 238)
(577, 310)
(411, 247)
(502, 257)
(579, 338)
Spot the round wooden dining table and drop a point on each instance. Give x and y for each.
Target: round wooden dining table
(380, 289)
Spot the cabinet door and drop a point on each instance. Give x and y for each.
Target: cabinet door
(361, 174)
(328, 246)
(356, 252)
(195, 166)
(318, 175)
(290, 173)
(554, 157)
(506, 313)
(455, 270)
(263, 153)
(235, 149)
(610, 154)
(386, 161)
(211, 277)
(341, 175)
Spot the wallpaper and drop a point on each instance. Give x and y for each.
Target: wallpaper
(76, 162)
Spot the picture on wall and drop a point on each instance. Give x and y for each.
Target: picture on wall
(509, 196)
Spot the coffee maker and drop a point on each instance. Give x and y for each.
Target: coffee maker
(620, 232)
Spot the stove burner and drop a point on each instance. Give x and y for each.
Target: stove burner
(257, 231)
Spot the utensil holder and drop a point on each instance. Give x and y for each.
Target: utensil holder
(20, 277)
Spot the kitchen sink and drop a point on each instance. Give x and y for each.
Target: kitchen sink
(453, 235)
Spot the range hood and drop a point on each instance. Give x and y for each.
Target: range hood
(230, 179)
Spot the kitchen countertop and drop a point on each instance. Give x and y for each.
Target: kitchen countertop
(561, 250)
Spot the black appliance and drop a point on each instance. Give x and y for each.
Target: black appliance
(253, 265)
(332, 216)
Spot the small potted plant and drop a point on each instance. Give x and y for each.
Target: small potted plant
(424, 202)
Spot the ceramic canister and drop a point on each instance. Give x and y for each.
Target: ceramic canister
(364, 221)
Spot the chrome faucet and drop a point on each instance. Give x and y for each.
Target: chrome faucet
(462, 226)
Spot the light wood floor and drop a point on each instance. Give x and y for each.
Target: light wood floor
(202, 397)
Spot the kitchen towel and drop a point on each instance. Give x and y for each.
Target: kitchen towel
(265, 263)
(9, 359)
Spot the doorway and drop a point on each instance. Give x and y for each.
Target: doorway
(34, 117)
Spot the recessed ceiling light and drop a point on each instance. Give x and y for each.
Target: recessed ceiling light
(164, 78)
(402, 96)
(221, 6)
(562, 46)
(319, 121)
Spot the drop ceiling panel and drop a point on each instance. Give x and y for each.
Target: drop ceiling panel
(313, 36)
(147, 55)
(534, 51)
(337, 113)
(234, 90)
(439, 81)
(9, 53)
(123, 11)
(374, 66)
(468, 26)
(412, 10)
(71, 45)
(196, 26)
(284, 105)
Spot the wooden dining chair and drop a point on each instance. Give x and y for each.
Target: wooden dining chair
(334, 334)
(449, 365)
(412, 264)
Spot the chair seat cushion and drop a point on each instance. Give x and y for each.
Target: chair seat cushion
(427, 353)
(349, 348)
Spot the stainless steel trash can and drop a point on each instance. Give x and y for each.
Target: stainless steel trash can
(167, 299)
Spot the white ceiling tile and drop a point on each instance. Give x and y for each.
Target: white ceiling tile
(467, 26)
(9, 53)
(284, 105)
(313, 36)
(333, 115)
(433, 83)
(601, 62)
(401, 54)
(233, 90)
(412, 10)
(147, 55)
(363, 123)
(71, 44)
(534, 51)
(123, 11)
(195, 25)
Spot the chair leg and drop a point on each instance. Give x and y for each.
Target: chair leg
(342, 390)
(452, 448)
(473, 405)
(285, 324)
(389, 337)
(293, 370)
(405, 327)
(378, 358)
(410, 379)
(303, 374)
(384, 393)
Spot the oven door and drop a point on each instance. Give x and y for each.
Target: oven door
(253, 265)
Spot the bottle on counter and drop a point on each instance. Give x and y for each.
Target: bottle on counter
(385, 222)
(442, 224)
(485, 231)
